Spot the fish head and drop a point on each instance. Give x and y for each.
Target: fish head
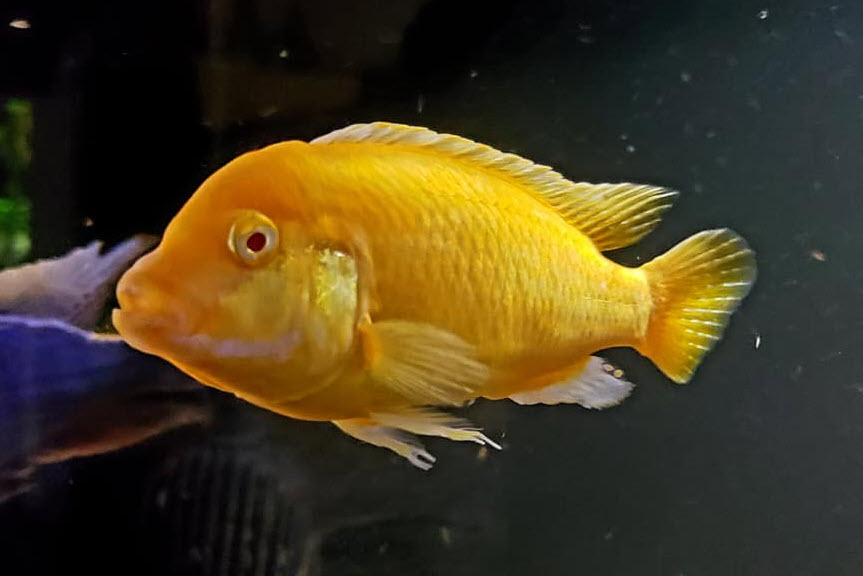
(238, 294)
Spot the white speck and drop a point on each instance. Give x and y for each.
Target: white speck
(421, 104)
(757, 341)
(842, 35)
(630, 148)
(624, 136)
(20, 24)
(446, 536)
(763, 14)
(685, 76)
(609, 535)
(284, 54)
(474, 73)
(88, 222)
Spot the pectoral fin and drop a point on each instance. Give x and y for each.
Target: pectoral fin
(421, 363)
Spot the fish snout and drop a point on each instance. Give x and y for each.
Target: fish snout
(150, 303)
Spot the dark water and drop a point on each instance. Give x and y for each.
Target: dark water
(753, 110)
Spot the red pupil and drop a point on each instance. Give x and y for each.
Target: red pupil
(256, 242)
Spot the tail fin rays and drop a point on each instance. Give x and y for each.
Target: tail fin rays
(695, 288)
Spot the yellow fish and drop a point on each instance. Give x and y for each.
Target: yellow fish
(382, 270)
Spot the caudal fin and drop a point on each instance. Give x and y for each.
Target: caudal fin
(695, 287)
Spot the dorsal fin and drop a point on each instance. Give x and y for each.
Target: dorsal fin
(611, 215)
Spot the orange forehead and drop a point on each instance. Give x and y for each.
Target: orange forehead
(266, 180)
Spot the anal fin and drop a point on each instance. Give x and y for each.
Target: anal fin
(598, 385)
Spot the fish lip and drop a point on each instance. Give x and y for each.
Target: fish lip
(142, 331)
(134, 320)
(155, 335)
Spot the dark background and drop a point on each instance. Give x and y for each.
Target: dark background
(753, 110)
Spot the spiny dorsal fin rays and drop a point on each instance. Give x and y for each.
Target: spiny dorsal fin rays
(611, 215)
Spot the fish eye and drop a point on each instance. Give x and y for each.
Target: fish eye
(253, 237)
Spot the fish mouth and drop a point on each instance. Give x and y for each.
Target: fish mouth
(159, 335)
(142, 331)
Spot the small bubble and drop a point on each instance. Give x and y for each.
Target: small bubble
(763, 14)
(88, 222)
(421, 104)
(818, 255)
(685, 76)
(618, 373)
(630, 148)
(757, 341)
(624, 136)
(474, 73)
(284, 54)
(710, 134)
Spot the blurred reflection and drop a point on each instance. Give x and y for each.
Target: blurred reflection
(273, 496)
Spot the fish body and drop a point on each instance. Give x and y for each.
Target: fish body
(382, 269)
